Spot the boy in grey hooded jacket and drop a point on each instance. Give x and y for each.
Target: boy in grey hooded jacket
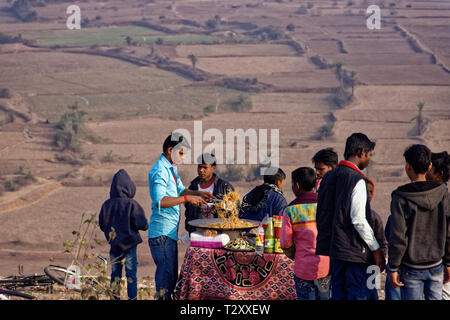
(419, 244)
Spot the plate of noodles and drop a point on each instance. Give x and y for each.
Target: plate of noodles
(221, 224)
(227, 211)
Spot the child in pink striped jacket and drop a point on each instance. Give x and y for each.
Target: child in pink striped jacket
(298, 239)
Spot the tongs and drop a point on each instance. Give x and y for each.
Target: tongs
(213, 202)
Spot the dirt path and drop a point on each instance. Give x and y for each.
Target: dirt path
(29, 195)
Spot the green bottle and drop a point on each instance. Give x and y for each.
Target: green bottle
(269, 238)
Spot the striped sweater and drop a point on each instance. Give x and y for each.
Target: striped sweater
(298, 235)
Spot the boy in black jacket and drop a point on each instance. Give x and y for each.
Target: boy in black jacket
(121, 217)
(207, 181)
(419, 244)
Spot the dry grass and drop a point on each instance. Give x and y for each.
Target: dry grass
(235, 50)
(246, 66)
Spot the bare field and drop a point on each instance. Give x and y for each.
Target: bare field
(244, 66)
(301, 81)
(290, 102)
(380, 59)
(402, 75)
(403, 98)
(131, 109)
(68, 73)
(235, 50)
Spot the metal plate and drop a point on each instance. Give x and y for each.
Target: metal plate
(204, 224)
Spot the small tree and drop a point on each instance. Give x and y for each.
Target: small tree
(244, 104)
(193, 59)
(5, 93)
(290, 27)
(339, 76)
(69, 129)
(419, 117)
(353, 79)
(212, 23)
(302, 10)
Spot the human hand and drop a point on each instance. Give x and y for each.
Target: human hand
(206, 195)
(196, 200)
(379, 259)
(395, 280)
(446, 274)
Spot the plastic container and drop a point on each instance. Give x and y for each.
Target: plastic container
(259, 242)
(73, 280)
(269, 239)
(265, 222)
(277, 223)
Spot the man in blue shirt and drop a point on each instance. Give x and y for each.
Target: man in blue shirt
(168, 193)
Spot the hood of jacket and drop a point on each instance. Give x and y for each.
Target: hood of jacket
(427, 194)
(122, 186)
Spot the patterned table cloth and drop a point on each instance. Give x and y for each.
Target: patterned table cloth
(208, 274)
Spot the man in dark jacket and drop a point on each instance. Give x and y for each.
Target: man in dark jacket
(344, 223)
(121, 217)
(206, 181)
(419, 244)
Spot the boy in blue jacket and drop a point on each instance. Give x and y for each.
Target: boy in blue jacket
(265, 199)
(121, 217)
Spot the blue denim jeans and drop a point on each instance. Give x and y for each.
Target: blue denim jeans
(420, 282)
(312, 289)
(116, 257)
(164, 252)
(349, 281)
(391, 293)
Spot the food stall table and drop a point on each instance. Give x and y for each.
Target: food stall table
(208, 274)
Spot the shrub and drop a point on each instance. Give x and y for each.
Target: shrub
(254, 173)
(340, 98)
(325, 131)
(243, 104)
(302, 10)
(231, 173)
(209, 108)
(212, 23)
(22, 10)
(109, 157)
(290, 27)
(69, 130)
(5, 38)
(11, 186)
(5, 93)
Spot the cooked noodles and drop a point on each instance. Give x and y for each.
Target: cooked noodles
(228, 211)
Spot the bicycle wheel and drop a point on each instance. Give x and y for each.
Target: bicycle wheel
(60, 274)
(16, 293)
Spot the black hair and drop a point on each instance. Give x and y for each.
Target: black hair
(305, 177)
(356, 144)
(272, 179)
(441, 164)
(327, 156)
(207, 158)
(419, 157)
(173, 140)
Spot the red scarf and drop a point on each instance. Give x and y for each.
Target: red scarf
(354, 167)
